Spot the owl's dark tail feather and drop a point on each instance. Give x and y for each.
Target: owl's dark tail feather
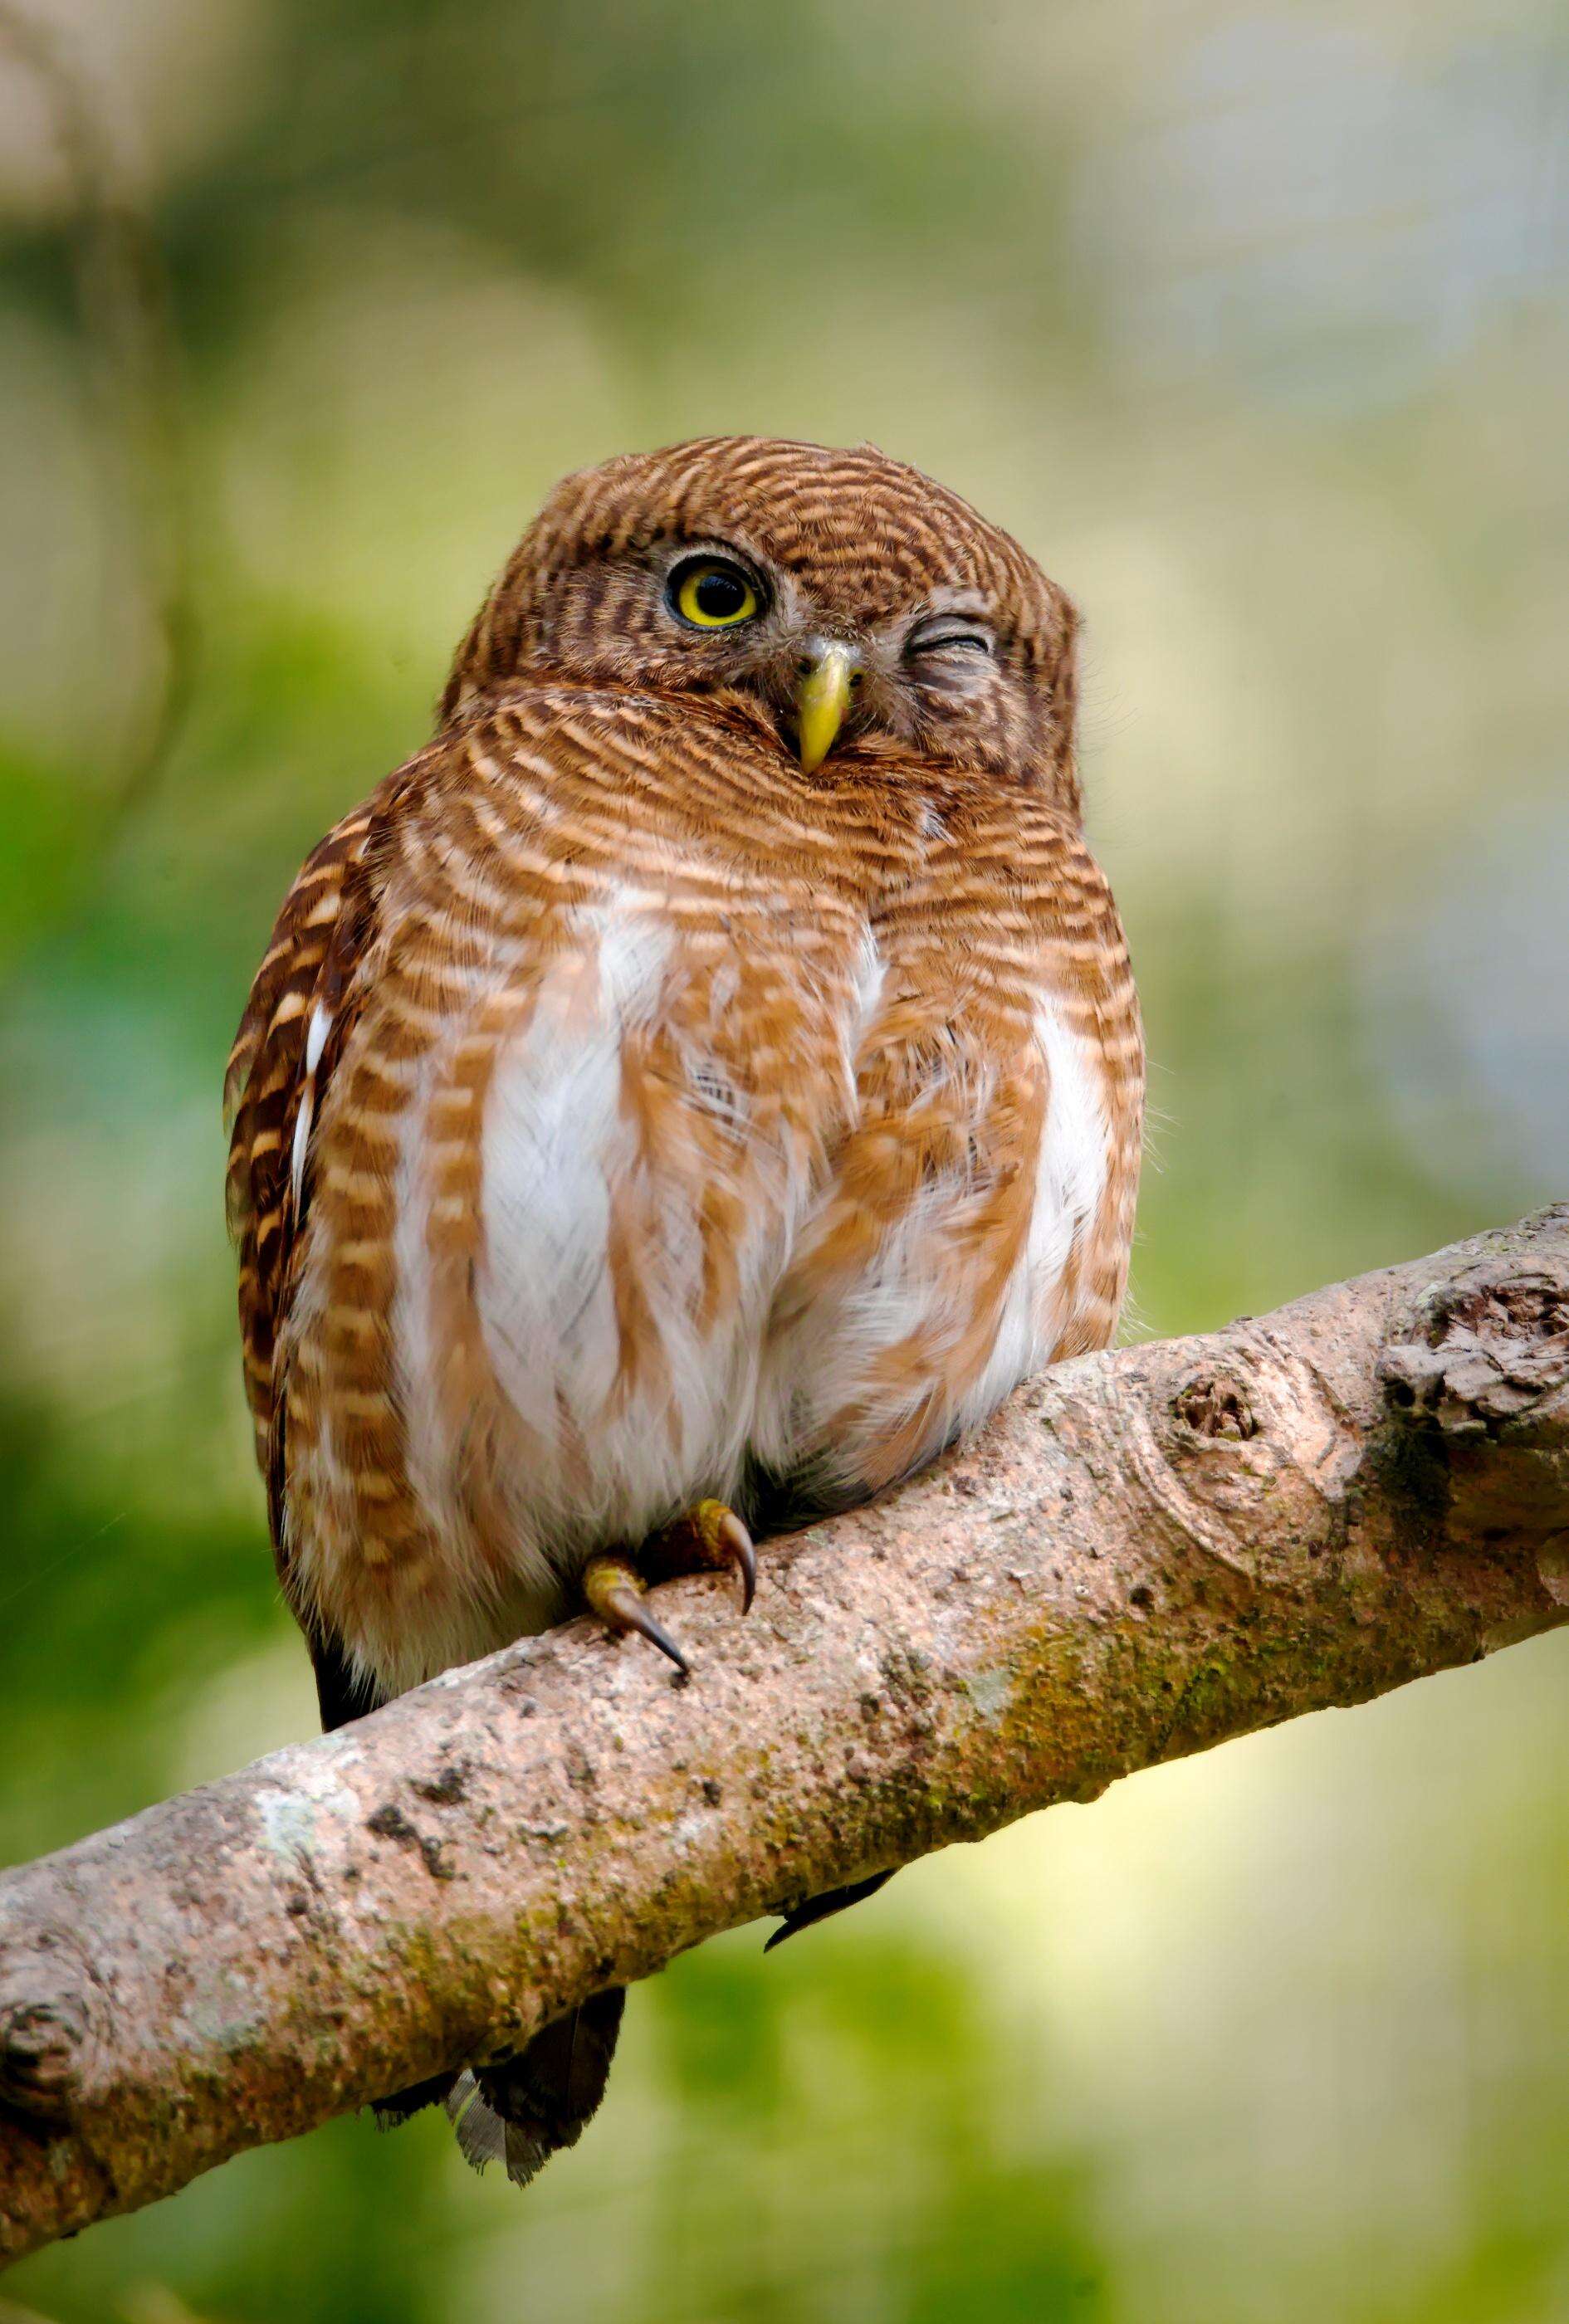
(529, 2107)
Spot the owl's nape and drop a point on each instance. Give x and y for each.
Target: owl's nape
(708, 1538)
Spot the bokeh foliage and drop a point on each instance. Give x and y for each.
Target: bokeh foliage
(1252, 323)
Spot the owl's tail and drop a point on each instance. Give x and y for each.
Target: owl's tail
(527, 2108)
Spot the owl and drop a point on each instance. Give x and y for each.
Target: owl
(690, 1093)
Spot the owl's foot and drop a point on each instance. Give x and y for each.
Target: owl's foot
(615, 1589)
(709, 1539)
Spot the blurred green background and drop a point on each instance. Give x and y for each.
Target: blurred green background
(1253, 322)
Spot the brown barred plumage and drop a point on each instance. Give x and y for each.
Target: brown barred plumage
(627, 1117)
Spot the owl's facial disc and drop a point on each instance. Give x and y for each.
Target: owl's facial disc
(932, 675)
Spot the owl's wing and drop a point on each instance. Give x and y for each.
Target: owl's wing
(303, 1000)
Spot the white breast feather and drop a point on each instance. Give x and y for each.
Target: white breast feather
(1070, 1181)
(557, 1146)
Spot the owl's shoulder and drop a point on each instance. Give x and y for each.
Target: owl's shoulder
(1022, 838)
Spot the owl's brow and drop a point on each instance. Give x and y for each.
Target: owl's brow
(937, 625)
(712, 544)
(964, 601)
(659, 545)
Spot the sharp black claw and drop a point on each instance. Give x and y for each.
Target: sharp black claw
(657, 1635)
(736, 1544)
(616, 1597)
(631, 1614)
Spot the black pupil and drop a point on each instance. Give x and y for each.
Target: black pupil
(720, 595)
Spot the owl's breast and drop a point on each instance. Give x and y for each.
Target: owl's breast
(680, 1149)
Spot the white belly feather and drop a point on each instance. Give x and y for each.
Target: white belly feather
(558, 1152)
(607, 1462)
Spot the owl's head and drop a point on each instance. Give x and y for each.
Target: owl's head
(846, 600)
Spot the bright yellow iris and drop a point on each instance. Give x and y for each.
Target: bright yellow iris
(714, 595)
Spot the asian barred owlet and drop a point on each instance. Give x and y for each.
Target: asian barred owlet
(688, 1094)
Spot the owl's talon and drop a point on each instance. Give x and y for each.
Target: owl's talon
(709, 1539)
(735, 1546)
(616, 1591)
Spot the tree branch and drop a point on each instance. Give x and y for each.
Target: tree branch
(1149, 1550)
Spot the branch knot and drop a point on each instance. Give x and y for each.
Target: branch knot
(1491, 1349)
(41, 2049)
(1486, 1369)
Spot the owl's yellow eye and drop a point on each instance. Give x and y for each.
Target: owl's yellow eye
(712, 594)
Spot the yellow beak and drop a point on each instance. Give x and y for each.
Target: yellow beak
(822, 699)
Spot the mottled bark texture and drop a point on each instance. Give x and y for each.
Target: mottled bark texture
(1148, 1552)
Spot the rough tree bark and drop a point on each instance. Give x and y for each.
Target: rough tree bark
(1148, 1552)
